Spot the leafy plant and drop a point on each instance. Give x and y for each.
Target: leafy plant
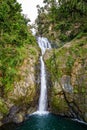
(15, 35)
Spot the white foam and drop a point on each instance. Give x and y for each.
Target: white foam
(40, 113)
(80, 121)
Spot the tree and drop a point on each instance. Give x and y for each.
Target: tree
(62, 17)
(14, 34)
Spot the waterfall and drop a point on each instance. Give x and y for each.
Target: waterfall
(43, 44)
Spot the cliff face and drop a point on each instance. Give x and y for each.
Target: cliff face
(23, 98)
(67, 67)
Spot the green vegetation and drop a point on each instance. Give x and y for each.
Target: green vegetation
(69, 60)
(58, 104)
(62, 60)
(15, 34)
(3, 107)
(62, 19)
(64, 22)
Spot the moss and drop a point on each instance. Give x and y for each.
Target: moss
(11, 59)
(71, 60)
(32, 51)
(24, 98)
(63, 59)
(80, 35)
(3, 107)
(59, 104)
(69, 64)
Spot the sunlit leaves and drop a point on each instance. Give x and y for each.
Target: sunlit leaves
(14, 34)
(64, 20)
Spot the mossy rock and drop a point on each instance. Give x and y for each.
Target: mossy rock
(3, 107)
(69, 60)
(58, 104)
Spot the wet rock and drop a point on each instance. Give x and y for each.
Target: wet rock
(68, 69)
(9, 126)
(1, 116)
(65, 82)
(19, 117)
(11, 115)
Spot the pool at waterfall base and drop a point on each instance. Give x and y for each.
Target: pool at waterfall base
(43, 120)
(50, 122)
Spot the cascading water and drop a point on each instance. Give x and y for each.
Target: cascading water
(43, 92)
(43, 44)
(41, 120)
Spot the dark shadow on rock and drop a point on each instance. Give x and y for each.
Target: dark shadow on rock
(9, 126)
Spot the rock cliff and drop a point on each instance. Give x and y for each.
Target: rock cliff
(67, 67)
(23, 98)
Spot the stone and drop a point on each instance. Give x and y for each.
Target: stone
(67, 67)
(1, 116)
(25, 88)
(18, 118)
(65, 82)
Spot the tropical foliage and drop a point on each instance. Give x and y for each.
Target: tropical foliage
(62, 19)
(14, 35)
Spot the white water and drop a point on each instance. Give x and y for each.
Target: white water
(43, 44)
